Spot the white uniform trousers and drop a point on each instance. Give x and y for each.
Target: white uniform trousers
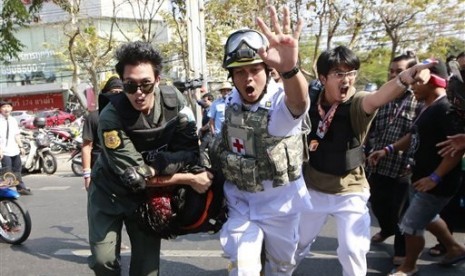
(353, 228)
(242, 240)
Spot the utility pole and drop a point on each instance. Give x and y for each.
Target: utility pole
(196, 46)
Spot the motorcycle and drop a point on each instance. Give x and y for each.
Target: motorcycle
(76, 158)
(15, 221)
(38, 155)
(62, 139)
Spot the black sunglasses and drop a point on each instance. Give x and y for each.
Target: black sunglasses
(131, 88)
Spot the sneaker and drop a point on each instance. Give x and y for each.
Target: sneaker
(25, 192)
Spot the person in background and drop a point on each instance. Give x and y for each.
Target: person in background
(435, 179)
(453, 212)
(91, 147)
(11, 146)
(261, 148)
(276, 76)
(205, 135)
(335, 176)
(216, 112)
(389, 179)
(461, 60)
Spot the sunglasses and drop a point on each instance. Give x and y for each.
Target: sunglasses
(131, 88)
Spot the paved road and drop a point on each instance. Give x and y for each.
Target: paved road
(58, 242)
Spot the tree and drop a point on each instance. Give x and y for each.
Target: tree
(87, 50)
(144, 14)
(443, 47)
(14, 15)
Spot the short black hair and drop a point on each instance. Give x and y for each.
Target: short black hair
(134, 53)
(409, 56)
(208, 95)
(335, 57)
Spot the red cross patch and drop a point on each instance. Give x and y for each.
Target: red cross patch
(238, 146)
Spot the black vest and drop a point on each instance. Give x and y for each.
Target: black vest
(339, 151)
(145, 133)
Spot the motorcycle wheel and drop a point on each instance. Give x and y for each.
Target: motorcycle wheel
(55, 148)
(49, 163)
(76, 168)
(17, 226)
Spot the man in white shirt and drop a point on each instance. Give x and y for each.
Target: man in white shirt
(10, 145)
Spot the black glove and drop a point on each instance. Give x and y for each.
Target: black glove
(134, 177)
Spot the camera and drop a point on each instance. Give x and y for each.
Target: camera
(189, 84)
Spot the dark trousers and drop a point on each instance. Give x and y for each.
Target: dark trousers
(388, 202)
(205, 141)
(454, 211)
(13, 164)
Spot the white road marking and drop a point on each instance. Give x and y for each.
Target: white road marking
(164, 253)
(212, 253)
(53, 188)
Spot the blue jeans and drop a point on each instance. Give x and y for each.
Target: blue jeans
(13, 164)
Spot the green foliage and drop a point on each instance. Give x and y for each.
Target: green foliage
(446, 46)
(14, 15)
(369, 27)
(374, 66)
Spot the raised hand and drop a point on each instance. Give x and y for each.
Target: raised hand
(282, 53)
(417, 74)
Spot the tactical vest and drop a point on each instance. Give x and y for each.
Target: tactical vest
(252, 155)
(148, 135)
(339, 151)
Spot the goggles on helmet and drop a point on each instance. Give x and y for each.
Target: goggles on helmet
(241, 48)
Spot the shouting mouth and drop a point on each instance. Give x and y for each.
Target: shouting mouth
(249, 90)
(344, 91)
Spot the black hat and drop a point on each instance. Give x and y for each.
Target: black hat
(5, 102)
(112, 83)
(440, 69)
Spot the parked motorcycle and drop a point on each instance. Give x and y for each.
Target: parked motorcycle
(62, 139)
(39, 157)
(76, 158)
(15, 221)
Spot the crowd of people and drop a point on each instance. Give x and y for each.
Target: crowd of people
(292, 155)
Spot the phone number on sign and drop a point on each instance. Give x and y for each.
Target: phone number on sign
(22, 68)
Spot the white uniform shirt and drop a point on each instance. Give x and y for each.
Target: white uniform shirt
(286, 199)
(12, 148)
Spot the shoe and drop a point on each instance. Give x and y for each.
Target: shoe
(453, 261)
(123, 246)
(401, 273)
(379, 238)
(437, 250)
(398, 260)
(25, 192)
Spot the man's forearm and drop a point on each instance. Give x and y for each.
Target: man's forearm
(403, 143)
(86, 153)
(212, 126)
(177, 178)
(448, 163)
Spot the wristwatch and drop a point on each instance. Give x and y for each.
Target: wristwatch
(290, 74)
